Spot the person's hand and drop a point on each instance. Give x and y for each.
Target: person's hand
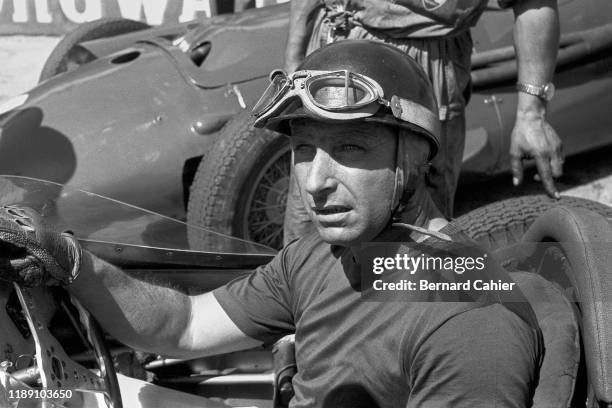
(33, 254)
(533, 137)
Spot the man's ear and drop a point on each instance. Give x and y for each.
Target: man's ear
(413, 152)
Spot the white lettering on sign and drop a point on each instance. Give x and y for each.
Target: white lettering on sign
(153, 10)
(191, 7)
(80, 11)
(92, 10)
(42, 12)
(20, 11)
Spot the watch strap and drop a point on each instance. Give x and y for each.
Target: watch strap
(531, 89)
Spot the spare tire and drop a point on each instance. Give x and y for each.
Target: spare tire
(68, 55)
(241, 185)
(505, 222)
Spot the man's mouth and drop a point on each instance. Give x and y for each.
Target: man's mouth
(330, 209)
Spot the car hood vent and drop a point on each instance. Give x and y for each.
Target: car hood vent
(198, 54)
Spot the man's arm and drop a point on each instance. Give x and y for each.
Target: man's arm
(155, 318)
(300, 30)
(536, 39)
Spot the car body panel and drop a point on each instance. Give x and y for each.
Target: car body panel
(72, 145)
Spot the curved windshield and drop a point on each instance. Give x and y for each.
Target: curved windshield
(118, 229)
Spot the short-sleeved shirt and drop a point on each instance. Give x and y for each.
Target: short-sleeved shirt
(415, 18)
(352, 353)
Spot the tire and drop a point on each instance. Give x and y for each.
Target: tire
(241, 185)
(503, 223)
(67, 55)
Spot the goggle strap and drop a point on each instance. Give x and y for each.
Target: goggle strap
(419, 115)
(425, 231)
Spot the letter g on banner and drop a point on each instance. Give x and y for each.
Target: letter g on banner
(377, 265)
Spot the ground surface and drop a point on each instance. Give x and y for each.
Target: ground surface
(21, 60)
(588, 175)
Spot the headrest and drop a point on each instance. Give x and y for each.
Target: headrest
(585, 239)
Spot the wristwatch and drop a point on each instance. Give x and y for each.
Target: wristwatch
(545, 92)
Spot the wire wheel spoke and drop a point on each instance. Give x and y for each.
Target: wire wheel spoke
(266, 209)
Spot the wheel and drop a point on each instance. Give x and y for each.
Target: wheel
(67, 55)
(502, 223)
(240, 187)
(55, 369)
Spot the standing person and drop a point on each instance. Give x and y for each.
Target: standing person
(436, 34)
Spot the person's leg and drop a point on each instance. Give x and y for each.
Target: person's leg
(445, 168)
(447, 61)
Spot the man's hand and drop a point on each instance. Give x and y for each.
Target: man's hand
(534, 137)
(33, 254)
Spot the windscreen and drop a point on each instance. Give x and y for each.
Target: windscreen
(94, 218)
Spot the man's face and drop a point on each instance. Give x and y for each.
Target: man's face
(346, 176)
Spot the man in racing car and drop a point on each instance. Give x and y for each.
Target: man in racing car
(436, 33)
(362, 132)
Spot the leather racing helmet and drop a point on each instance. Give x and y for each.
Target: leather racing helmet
(353, 80)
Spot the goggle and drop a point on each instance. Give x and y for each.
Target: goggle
(326, 94)
(334, 95)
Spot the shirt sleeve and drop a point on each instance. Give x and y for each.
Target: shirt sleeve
(484, 357)
(259, 303)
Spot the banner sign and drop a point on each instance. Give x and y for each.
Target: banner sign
(56, 17)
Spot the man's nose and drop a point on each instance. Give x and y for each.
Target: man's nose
(321, 171)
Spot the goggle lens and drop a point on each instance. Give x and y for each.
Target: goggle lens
(278, 83)
(338, 91)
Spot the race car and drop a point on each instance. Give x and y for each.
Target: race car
(160, 117)
(54, 353)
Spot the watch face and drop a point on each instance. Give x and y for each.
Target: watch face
(549, 91)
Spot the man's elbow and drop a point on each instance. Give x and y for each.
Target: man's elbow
(167, 335)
